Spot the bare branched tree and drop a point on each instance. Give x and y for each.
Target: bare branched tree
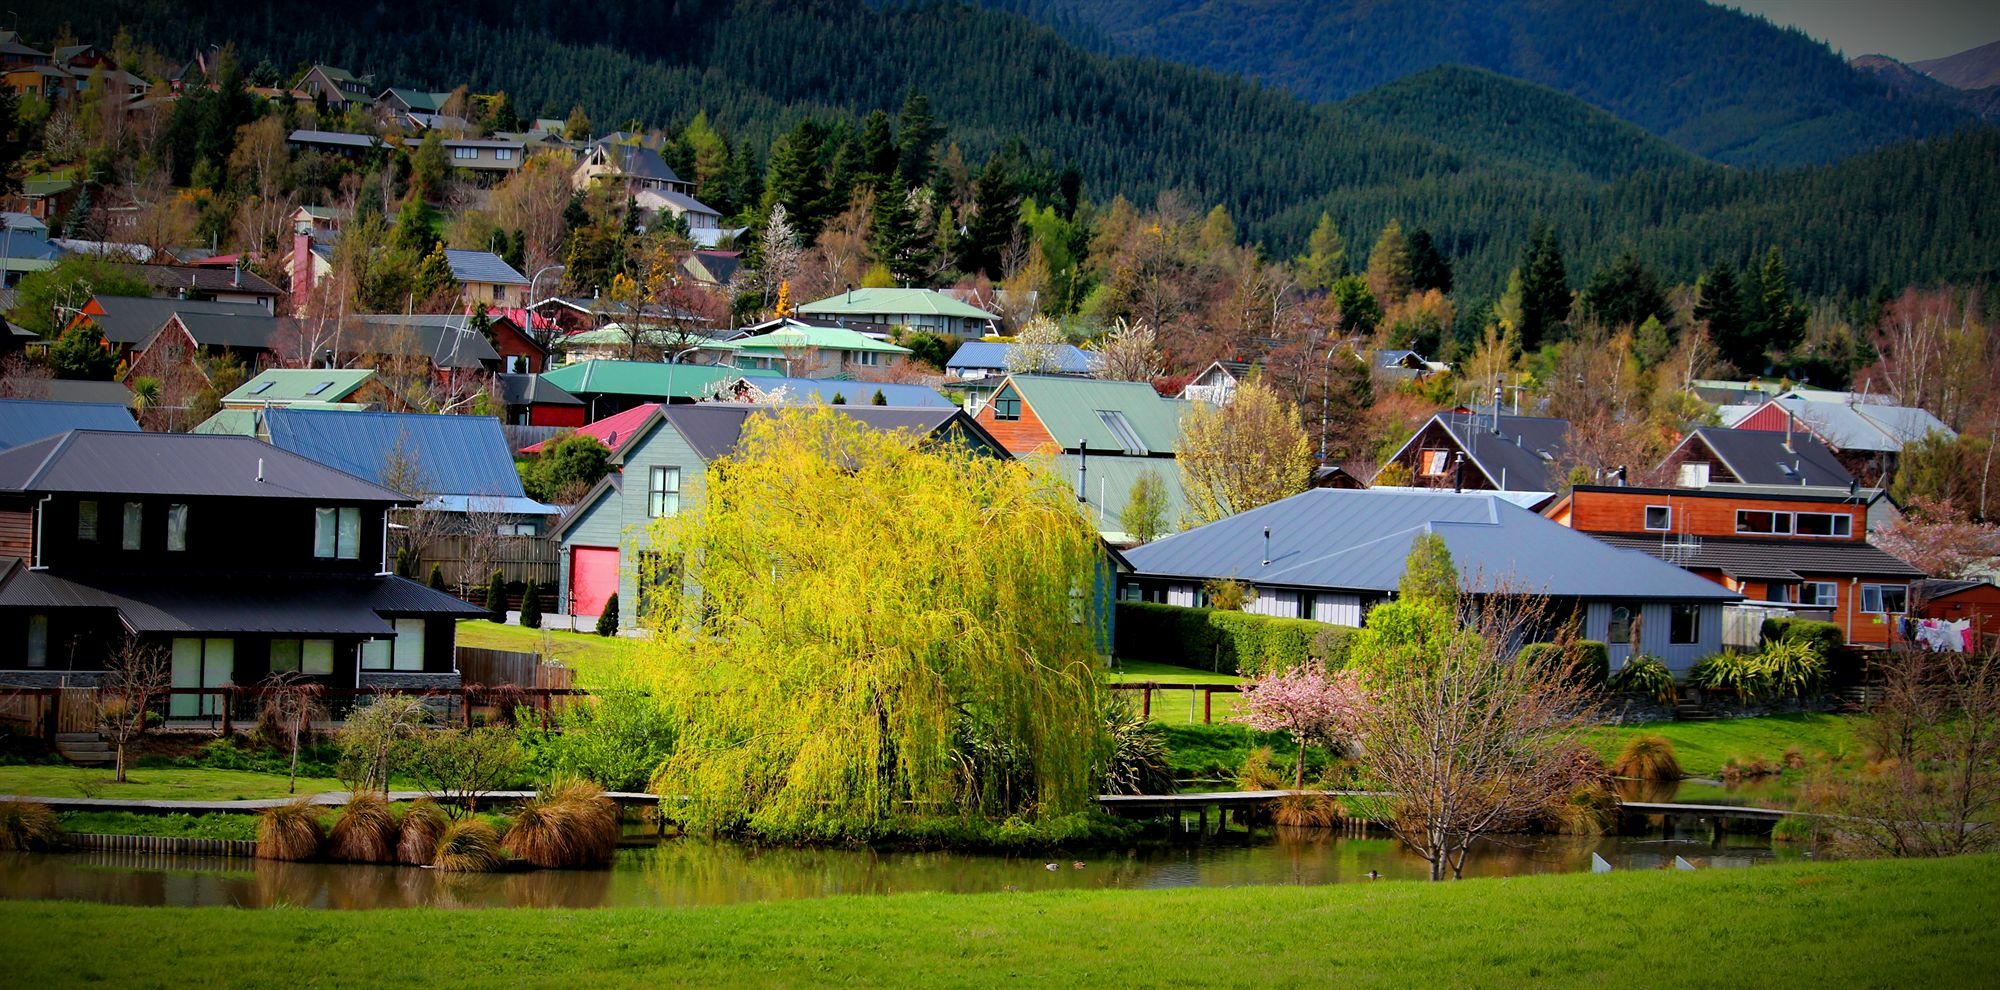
(135, 672)
(1130, 353)
(290, 703)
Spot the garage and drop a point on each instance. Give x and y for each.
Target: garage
(593, 579)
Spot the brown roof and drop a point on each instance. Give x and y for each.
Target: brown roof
(168, 279)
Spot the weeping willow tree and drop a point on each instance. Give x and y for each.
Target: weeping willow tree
(869, 629)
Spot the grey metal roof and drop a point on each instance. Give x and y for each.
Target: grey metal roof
(1936, 588)
(107, 393)
(241, 603)
(713, 428)
(251, 332)
(1069, 358)
(1852, 421)
(483, 266)
(638, 162)
(25, 420)
(1760, 457)
(178, 464)
(810, 390)
(522, 390)
(455, 455)
(1772, 560)
(1521, 455)
(335, 139)
(1358, 541)
(133, 320)
(446, 338)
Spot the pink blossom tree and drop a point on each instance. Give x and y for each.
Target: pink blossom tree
(1304, 703)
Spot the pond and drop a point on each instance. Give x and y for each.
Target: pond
(685, 872)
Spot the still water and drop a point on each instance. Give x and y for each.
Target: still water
(689, 873)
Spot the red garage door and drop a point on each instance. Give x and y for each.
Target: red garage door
(593, 578)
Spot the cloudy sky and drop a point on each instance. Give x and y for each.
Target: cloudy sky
(1910, 30)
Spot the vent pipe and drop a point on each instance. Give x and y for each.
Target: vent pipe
(1496, 408)
(1082, 470)
(1458, 473)
(260, 470)
(1267, 546)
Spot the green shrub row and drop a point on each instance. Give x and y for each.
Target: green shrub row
(1226, 641)
(1844, 664)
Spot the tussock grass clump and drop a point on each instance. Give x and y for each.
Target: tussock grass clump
(28, 825)
(365, 832)
(1794, 759)
(468, 846)
(289, 832)
(1648, 758)
(1302, 810)
(1747, 767)
(418, 831)
(598, 817)
(571, 824)
(1259, 773)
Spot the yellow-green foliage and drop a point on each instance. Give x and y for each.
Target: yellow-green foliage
(289, 831)
(28, 825)
(877, 621)
(1648, 758)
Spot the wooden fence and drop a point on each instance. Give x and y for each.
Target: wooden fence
(1207, 692)
(494, 668)
(518, 560)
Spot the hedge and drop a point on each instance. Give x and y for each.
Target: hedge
(1226, 641)
(1845, 665)
(1594, 657)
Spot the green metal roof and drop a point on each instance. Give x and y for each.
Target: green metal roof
(1076, 409)
(894, 302)
(809, 338)
(285, 386)
(231, 422)
(650, 379)
(1108, 489)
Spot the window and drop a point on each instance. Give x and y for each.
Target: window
(865, 357)
(1758, 521)
(1824, 524)
(1694, 476)
(1659, 517)
(38, 641)
(663, 492)
(462, 153)
(177, 527)
(503, 154)
(313, 657)
(1683, 624)
(86, 521)
(135, 516)
(1620, 630)
(1885, 599)
(1823, 594)
(1430, 463)
(403, 653)
(337, 533)
(1007, 408)
(1122, 431)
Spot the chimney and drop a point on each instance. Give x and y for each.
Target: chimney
(1496, 408)
(1082, 470)
(1798, 465)
(236, 273)
(1267, 546)
(260, 470)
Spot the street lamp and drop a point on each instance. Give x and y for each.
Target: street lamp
(1325, 386)
(532, 280)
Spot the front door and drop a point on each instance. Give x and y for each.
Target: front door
(593, 579)
(201, 663)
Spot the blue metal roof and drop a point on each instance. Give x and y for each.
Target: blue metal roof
(1359, 540)
(22, 420)
(1070, 359)
(808, 390)
(455, 455)
(482, 266)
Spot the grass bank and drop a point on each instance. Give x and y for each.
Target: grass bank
(172, 826)
(594, 658)
(153, 783)
(1703, 747)
(1896, 924)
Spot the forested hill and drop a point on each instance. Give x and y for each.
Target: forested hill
(1712, 80)
(1136, 127)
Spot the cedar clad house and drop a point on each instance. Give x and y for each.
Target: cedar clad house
(1478, 451)
(1809, 552)
(237, 558)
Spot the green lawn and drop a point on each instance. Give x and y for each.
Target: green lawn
(145, 783)
(594, 658)
(1175, 707)
(1907, 923)
(178, 826)
(1702, 747)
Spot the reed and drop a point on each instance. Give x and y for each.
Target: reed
(1648, 758)
(28, 825)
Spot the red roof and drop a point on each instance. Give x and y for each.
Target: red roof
(612, 431)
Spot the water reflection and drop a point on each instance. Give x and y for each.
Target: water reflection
(691, 872)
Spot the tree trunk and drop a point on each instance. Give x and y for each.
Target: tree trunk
(1299, 780)
(292, 786)
(121, 762)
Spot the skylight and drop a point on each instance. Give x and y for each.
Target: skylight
(321, 387)
(1122, 431)
(262, 387)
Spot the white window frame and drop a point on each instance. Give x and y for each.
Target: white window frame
(1874, 591)
(462, 153)
(1777, 518)
(1839, 524)
(1662, 527)
(1809, 594)
(663, 480)
(503, 154)
(177, 527)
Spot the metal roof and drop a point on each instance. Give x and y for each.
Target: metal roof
(1069, 358)
(1107, 482)
(810, 390)
(454, 455)
(167, 279)
(108, 393)
(1520, 455)
(1852, 421)
(713, 428)
(804, 337)
(650, 379)
(1070, 409)
(446, 338)
(1762, 457)
(895, 302)
(179, 464)
(484, 267)
(613, 431)
(133, 320)
(524, 390)
(1772, 560)
(284, 385)
(250, 332)
(25, 420)
(238, 603)
(335, 138)
(1347, 540)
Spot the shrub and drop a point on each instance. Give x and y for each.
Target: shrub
(1227, 641)
(615, 740)
(496, 597)
(1825, 636)
(1227, 594)
(1260, 772)
(599, 819)
(1648, 758)
(1791, 666)
(436, 581)
(468, 845)
(289, 831)
(28, 825)
(607, 621)
(571, 825)
(1646, 677)
(1737, 673)
(1593, 659)
(1139, 762)
(531, 606)
(1305, 809)
(418, 831)
(365, 832)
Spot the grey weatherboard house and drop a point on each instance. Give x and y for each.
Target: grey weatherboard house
(1331, 554)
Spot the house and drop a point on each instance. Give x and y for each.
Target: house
(1712, 456)
(712, 268)
(704, 222)
(1217, 383)
(130, 322)
(403, 101)
(977, 359)
(237, 559)
(918, 309)
(1332, 554)
(638, 168)
(26, 420)
(311, 387)
(1959, 601)
(608, 387)
(446, 340)
(336, 143)
(100, 393)
(661, 472)
(339, 87)
(1483, 451)
(809, 352)
(1806, 554)
(15, 53)
(1722, 392)
(494, 154)
(806, 391)
(196, 283)
(1866, 432)
(615, 431)
(653, 337)
(532, 400)
(1392, 365)
(1102, 435)
(190, 343)
(25, 247)
(487, 279)
(322, 223)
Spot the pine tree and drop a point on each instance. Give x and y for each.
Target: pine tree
(996, 202)
(1429, 268)
(436, 580)
(1719, 305)
(895, 241)
(1389, 276)
(496, 596)
(878, 152)
(878, 399)
(1544, 289)
(1325, 260)
(1781, 321)
(838, 399)
(1359, 312)
(607, 620)
(577, 127)
(531, 606)
(917, 133)
(1624, 294)
(434, 275)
